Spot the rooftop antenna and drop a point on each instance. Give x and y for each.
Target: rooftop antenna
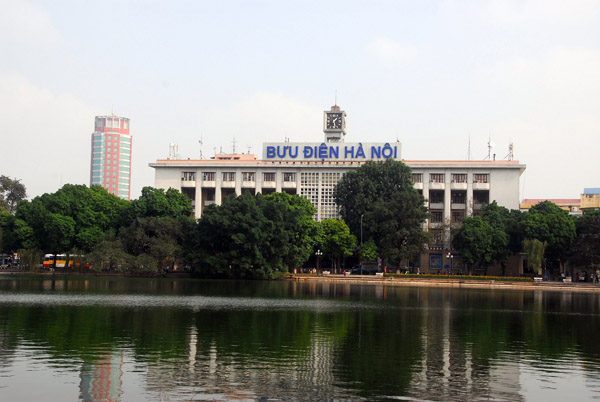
(112, 110)
(511, 150)
(173, 149)
(201, 143)
(469, 150)
(233, 145)
(490, 146)
(335, 103)
(249, 148)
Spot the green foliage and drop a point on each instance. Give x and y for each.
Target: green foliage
(109, 255)
(335, 240)
(368, 251)
(252, 236)
(155, 202)
(535, 254)
(74, 217)
(586, 248)
(548, 223)
(12, 191)
(392, 210)
(479, 242)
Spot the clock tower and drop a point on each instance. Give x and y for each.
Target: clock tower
(334, 124)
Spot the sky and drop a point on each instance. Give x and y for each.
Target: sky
(435, 75)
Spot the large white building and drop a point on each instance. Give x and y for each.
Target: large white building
(453, 189)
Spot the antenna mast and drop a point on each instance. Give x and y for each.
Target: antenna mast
(201, 143)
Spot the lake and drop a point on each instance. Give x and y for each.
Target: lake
(124, 339)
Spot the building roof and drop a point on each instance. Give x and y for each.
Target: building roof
(593, 190)
(557, 201)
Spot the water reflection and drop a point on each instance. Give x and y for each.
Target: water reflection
(128, 340)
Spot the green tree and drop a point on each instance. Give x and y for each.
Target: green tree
(535, 254)
(12, 191)
(368, 251)
(548, 223)
(336, 241)
(478, 241)
(296, 214)
(392, 210)
(155, 202)
(586, 248)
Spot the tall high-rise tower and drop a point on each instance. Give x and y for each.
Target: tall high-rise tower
(111, 155)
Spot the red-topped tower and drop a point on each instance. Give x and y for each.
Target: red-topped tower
(111, 155)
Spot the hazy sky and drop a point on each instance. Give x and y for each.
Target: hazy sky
(432, 74)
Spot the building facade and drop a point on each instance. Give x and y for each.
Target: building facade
(111, 155)
(453, 189)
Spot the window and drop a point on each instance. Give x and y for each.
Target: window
(228, 176)
(481, 178)
(417, 177)
(459, 177)
(188, 176)
(247, 176)
(436, 178)
(268, 176)
(458, 197)
(458, 216)
(436, 197)
(436, 216)
(208, 176)
(289, 177)
(481, 197)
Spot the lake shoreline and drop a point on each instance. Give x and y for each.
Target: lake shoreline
(450, 282)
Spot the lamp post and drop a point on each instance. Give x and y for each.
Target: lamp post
(319, 253)
(361, 243)
(451, 260)
(361, 217)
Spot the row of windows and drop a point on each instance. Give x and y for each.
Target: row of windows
(458, 197)
(455, 178)
(230, 176)
(438, 216)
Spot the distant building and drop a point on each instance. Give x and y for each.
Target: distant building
(453, 189)
(590, 199)
(111, 155)
(572, 205)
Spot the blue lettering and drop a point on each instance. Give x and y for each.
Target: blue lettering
(360, 153)
(375, 152)
(292, 154)
(334, 152)
(308, 152)
(387, 151)
(395, 152)
(270, 152)
(348, 150)
(281, 154)
(323, 151)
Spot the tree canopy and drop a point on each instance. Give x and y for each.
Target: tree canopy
(11, 192)
(379, 201)
(252, 236)
(548, 223)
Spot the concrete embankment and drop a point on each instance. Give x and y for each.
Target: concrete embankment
(452, 282)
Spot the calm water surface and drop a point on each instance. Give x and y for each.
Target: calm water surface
(187, 340)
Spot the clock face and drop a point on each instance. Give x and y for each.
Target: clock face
(334, 121)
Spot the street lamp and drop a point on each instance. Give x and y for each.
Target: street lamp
(319, 253)
(451, 260)
(361, 216)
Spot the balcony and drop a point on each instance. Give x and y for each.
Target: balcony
(269, 184)
(289, 184)
(188, 183)
(460, 206)
(458, 186)
(248, 184)
(209, 184)
(437, 186)
(436, 205)
(228, 184)
(418, 186)
(481, 186)
(207, 203)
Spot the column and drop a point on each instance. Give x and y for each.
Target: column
(218, 184)
(469, 200)
(198, 207)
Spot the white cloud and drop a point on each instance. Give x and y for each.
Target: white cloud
(390, 53)
(46, 136)
(24, 23)
(529, 11)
